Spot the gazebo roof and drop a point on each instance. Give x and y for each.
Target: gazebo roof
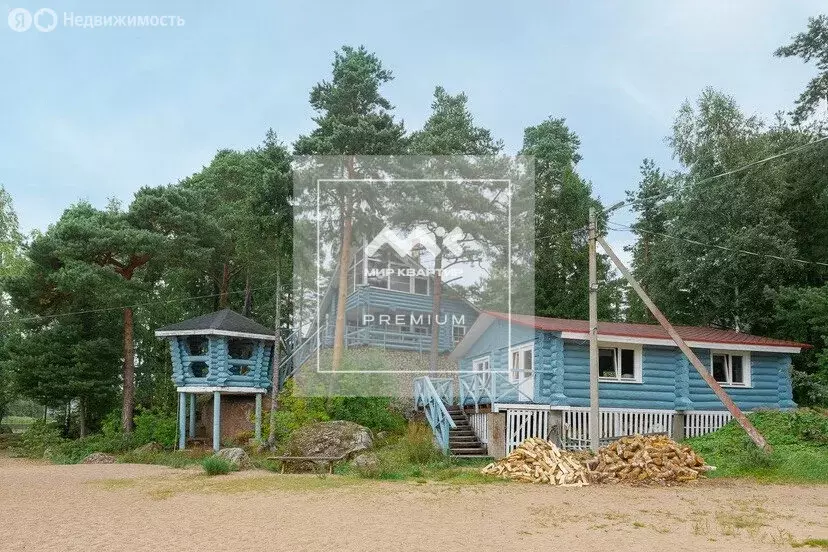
(224, 322)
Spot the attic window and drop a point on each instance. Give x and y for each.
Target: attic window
(730, 368)
(197, 345)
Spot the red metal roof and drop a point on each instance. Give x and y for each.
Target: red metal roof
(647, 331)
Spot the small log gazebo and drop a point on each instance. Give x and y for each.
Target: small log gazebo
(218, 353)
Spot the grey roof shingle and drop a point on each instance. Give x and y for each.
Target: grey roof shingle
(224, 320)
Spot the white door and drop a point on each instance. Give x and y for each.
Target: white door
(522, 372)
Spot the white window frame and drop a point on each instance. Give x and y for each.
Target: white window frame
(465, 329)
(746, 369)
(479, 361)
(638, 362)
(520, 349)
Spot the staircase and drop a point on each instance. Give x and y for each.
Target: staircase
(462, 440)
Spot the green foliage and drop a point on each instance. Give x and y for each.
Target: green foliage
(419, 446)
(375, 413)
(799, 440)
(216, 465)
(154, 426)
(38, 438)
(810, 45)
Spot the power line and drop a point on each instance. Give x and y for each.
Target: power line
(727, 173)
(622, 227)
(570, 231)
(136, 305)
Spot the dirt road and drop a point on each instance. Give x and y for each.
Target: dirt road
(137, 507)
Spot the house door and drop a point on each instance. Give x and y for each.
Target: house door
(522, 372)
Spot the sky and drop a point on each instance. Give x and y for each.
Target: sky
(94, 113)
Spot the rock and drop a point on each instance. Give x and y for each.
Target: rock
(382, 435)
(330, 439)
(367, 464)
(150, 448)
(235, 456)
(99, 458)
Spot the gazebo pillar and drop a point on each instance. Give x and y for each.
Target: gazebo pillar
(216, 421)
(182, 420)
(258, 427)
(192, 416)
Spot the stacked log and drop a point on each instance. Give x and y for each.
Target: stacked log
(640, 459)
(539, 461)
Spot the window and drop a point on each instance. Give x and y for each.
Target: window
(622, 363)
(421, 286)
(197, 345)
(199, 369)
(521, 363)
(730, 368)
(457, 334)
(481, 365)
(239, 348)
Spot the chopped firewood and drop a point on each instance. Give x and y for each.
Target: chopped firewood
(539, 461)
(640, 459)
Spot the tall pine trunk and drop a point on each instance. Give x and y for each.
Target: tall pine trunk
(277, 360)
(342, 295)
(224, 290)
(129, 372)
(82, 417)
(437, 298)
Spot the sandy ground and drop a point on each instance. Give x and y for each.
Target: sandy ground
(137, 507)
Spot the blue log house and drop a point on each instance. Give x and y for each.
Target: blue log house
(529, 377)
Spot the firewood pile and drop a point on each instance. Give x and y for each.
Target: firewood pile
(539, 461)
(645, 459)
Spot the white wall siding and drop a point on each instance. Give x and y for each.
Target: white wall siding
(480, 425)
(700, 422)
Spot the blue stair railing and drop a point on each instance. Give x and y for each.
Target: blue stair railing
(432, 395)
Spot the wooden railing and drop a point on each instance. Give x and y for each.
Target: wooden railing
(476, 388)
(371, 336)
(433, 399)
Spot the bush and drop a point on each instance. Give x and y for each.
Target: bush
(40, 436)
(375, 413)
(216, 465)
(154, 426)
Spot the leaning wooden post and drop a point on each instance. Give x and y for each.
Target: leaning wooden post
(694, 360)
(594, 413)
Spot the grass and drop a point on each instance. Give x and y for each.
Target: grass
(216, 465)
(811, 543)
(800, 448)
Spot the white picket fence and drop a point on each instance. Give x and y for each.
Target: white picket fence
(480, 425)
(615, 422)
(523, 424)
(699, 422)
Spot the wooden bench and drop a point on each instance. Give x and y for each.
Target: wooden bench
(330, 460)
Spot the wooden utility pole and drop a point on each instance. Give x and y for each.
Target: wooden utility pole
(694, 360)
(594, 413)
(276, 360)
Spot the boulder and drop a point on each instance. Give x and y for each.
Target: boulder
(330, 439)
(99, 458)
(367, 464)
(235, 456)
(149, 448)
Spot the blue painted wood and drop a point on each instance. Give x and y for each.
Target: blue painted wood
(669, 381)
(216, 421)
(192, 415)
(182, 421)
(219, 364)
(257, 432)
(371, 300)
